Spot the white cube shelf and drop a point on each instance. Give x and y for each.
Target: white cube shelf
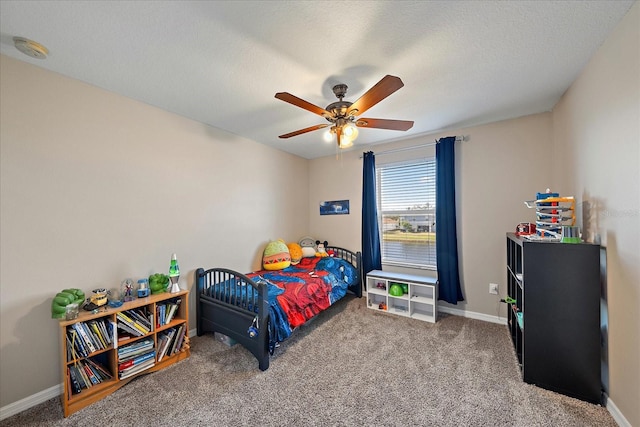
(420, 301)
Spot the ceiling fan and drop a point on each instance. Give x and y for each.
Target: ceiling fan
(342, 115)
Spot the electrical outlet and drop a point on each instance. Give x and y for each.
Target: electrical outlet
(493, 288)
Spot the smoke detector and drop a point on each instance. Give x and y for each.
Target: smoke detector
(30, 48)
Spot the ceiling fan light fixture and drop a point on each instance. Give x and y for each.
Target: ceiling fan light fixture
(328, 135)
(342, 115)
(346, 133)
(345, 142)
(350, 131)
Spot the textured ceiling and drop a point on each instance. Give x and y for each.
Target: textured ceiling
(221, 63)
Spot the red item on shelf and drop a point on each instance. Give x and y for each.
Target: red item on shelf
(525, 228)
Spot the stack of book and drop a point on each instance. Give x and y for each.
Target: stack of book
(136, 357)
(84, 338)
(85, 374)
(166, 312)
(170, 341)
(135, 322)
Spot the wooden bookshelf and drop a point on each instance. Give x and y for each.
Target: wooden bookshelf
(104, 359)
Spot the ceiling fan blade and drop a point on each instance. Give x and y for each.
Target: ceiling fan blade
(384, 124)
(305, 130)
(377, 93)
(299, 102)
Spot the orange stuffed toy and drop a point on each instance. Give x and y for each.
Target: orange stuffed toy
(295, 250)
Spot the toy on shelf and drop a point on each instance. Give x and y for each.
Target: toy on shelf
(97, 299)
(552, 213)
(525, 228)
(174, 274)
(63, 299)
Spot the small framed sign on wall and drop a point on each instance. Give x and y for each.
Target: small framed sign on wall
(335, 207)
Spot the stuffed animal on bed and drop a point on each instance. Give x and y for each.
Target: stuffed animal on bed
(296, 252)
(276, 256)
(308, 246)
(321, 252)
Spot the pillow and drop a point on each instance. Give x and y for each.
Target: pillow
(276, 256)
(296, 252)
(309, 248)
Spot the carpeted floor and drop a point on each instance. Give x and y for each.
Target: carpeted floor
(351, 366)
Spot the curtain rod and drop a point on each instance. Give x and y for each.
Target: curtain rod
(395, 150)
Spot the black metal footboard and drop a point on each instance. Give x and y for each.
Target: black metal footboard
(228, 302)
(355, 258)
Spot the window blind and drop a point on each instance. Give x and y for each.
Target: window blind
(406, 203)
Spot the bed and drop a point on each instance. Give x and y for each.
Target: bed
(261, 309)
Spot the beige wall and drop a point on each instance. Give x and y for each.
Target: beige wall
(596, 132)
(491, 188)
(96, 187)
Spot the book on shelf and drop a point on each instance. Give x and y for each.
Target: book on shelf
(85, 374)
(182, 336)
(103, 326)
(89, 336)
(140, 316)
(98, 334)
(100, 370)
(162, 341)
(166, 341)
(83, 335)
(137, 368)
(172, 309)
(75, 348)
(125, 323)
(128, 319)
(177, 342)
(161, 309)
(82, 375)
(112, 330)
(71, 352)
(94, 340)
(73, 381)
(136, 345)
(128, 332)
(90, 374)
(134, 352)
(136, 360)
(79, 378)
(139, 343)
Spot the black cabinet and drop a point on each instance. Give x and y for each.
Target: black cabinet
(554, 314)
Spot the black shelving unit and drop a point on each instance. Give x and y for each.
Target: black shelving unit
(554, 314)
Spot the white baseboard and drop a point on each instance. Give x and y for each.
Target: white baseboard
(616, 414)
(473, 315)
(42, 396)
(30, 401)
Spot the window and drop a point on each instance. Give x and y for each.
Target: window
(406, 212)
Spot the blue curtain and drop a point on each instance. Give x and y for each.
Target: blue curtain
(446, 235)
(371, 257)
